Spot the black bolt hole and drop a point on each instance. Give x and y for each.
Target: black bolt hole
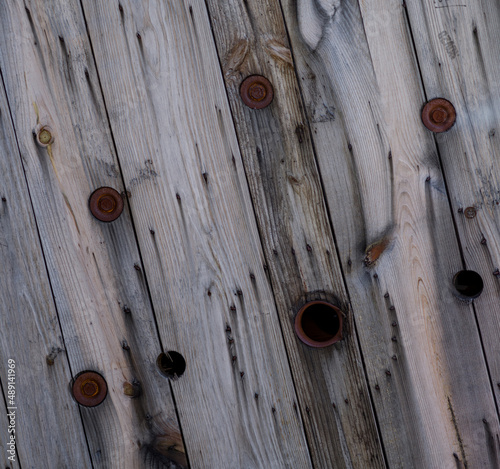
(320, 322)
(468, 284)
(171, 364)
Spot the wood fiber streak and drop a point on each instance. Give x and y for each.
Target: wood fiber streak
(197, 232)
(388, 201)
(101, 299)
(457, 48)
(279, 161)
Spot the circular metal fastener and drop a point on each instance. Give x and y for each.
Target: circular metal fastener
(470, 212)
(44, 136)
(256, 91)
(319, 324)
(106, 204)
(439, 115)
(89, 388)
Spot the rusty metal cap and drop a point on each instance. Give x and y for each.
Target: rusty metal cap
(470, 212)
(439, 115)
(89, 388)
(319, 324)
(256, 91)
(106, 204)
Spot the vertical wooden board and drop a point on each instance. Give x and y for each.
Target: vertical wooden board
(457, 50)
(102, 300)
(286, 189)
(197, 232)
(388, 200)
(37, 395)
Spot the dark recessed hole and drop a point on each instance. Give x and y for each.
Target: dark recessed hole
(468, 283)
(171, 364)
(319, 324)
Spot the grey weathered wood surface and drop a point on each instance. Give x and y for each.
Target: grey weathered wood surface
(375, 91)
(230, 227)
(30, 328)
(50, 79)
(300, 252)
(463, 41)
(196, 228)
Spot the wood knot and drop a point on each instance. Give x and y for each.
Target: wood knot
(279, 52)
(235, 58)
(132, 389)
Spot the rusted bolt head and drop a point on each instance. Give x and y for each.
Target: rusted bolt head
(256, 91)
(106, 204)
(319, 324)
(439, 115)
(44, 136)
(470, 212)
(89, 389)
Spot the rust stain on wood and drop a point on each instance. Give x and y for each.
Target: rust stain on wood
(375, 250)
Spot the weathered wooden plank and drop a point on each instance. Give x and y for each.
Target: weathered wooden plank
(395, 235)
(279, 163)
(102, 300)
(457, 47)
(197, 232)
(30, 330)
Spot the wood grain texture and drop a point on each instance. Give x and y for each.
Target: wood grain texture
(197, 232)
(384, 187)
(457, 48)
(101, 299)
(30, 329)
(300, 252)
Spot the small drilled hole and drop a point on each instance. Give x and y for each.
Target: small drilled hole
(468, 283)
(171, 364)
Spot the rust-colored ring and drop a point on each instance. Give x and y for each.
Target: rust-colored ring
(106, 204)
(312, 329)
(89, 388)
(256, 92)
(470, 212)
(439, 115)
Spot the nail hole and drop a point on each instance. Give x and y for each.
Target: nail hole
(319, 324)
(468, 284)
(171, 364)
